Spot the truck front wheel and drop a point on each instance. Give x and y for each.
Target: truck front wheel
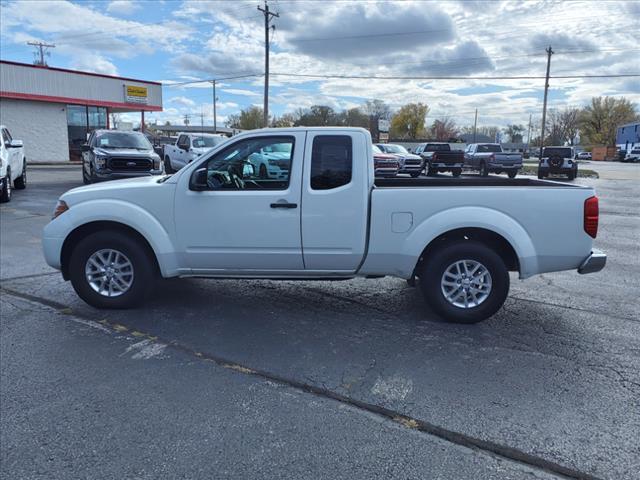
(465, 282)
(109, 269)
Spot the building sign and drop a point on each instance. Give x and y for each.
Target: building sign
(383, 125)
(384, 137)
(135, 94)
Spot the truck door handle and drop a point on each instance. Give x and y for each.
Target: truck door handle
(284, 205)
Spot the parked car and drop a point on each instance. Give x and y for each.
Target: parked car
(583, 156)
(633, 155)
(385, 164)
(272, 161)
(13, 165)
(489, 157)
(187, 147)
(557, 160)
(330, 219)
(439, 157)
(113, 154)
(409, 162)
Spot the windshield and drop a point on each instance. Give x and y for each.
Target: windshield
(122, 140)
(206, 142)
(395, 149)
(437, 147)
(489, 148)
(376, 149)
(557, 152)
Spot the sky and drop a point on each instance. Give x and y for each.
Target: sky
(176, 41)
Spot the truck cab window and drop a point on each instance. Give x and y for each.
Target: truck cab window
(331, 161)
(254, 164)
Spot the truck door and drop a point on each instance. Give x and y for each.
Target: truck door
(335, 193)
(243, 222)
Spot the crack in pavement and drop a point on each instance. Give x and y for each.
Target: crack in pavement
(491, 448)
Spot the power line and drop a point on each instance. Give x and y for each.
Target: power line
(400, 77)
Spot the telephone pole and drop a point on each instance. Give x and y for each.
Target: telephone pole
(529, 133)
(475, 126)
(267, 19)
(215, 118)
(544, 105)
(42, 47)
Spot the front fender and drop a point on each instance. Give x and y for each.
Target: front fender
(111, 210)
(475, 217)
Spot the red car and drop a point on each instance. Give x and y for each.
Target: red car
(385, 165)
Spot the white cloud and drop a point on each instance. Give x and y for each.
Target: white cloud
(93, 62)
(187, 102)
(240, 91)
(123, 7)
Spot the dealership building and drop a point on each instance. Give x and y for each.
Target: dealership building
(53, 109)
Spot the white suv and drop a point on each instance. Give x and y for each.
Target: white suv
(13, 165)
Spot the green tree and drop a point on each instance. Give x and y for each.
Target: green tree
(409, 121)
(285, 120)
(248, 119)
(353, 117)
(599, 120)
(317, 116)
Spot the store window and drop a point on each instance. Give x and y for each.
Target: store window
(81, 121)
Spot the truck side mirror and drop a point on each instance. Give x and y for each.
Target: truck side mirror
(85, 147)
(198, 180)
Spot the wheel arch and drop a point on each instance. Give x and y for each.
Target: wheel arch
(491, 239)
(496, 229)
(86, 229)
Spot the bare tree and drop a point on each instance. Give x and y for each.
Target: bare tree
(444, 130)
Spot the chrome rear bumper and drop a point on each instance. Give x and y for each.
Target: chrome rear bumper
(593, 263)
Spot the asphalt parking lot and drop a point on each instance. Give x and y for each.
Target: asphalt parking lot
(354, 379)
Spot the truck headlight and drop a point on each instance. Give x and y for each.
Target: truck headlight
(101, 162)
(157, 164)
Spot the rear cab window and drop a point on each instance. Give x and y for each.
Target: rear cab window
(331, 161)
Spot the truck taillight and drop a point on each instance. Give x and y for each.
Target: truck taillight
(591, 213)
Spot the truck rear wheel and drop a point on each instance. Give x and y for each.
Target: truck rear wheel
(456, 172)
(465, 282)
(109, 269)
(20, 183)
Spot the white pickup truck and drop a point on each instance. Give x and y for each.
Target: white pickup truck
(188, 146)
(13, 165)
(329, 218)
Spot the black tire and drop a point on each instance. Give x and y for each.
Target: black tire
(415, 174)
(484, 170)
(512, 173)
(167, 165)
(20, 183)
(144, 269)
(431, 172)
(433, 270)
(5, 194)
(85, 179)
(456, 172)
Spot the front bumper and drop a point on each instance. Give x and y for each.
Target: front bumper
(593, 263)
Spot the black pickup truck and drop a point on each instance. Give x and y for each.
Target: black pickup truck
(439, 157)
(111, 154)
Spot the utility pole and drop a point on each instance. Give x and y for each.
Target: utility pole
(215, 118)
(267, 19)
(529, 133)
(186, 118)
(475, 126)
(42, 47)
(544, 105)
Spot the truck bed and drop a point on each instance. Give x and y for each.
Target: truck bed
(470, 181)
